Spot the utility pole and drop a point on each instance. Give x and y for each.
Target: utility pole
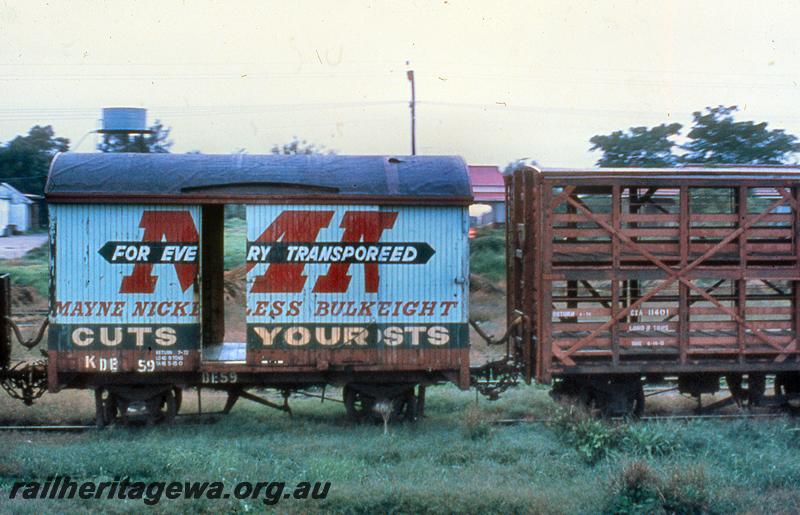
(412, 105)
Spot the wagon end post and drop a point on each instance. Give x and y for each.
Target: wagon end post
(5, 314)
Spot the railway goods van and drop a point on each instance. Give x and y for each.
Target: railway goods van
(356, 274)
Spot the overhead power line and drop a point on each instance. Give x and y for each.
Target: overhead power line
(85, 113)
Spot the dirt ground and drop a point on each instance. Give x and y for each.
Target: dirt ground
(25, 298)
(235, 300)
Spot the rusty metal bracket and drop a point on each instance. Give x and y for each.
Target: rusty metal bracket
(489, 338)
(236, 393)
(495, 377)
(32, 342)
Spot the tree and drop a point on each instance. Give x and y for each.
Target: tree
(25, 160)
(156, 142)
(638, 147)
(716, 138)
(300, 147)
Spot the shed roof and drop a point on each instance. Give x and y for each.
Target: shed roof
(13, 194)
(487, 183)
(485, 175)
(208, 178)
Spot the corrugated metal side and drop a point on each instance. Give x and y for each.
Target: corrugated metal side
(353, 320)
(99, 313)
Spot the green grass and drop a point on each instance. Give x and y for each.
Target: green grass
(455, 460)
(30, 270)
(235, 242)
(488, 253)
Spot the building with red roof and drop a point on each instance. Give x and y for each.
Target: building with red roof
(489, 192)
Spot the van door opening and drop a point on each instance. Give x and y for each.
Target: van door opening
(223, 283)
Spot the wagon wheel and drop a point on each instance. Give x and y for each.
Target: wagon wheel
(602, 404)
(756, 385)
(787, 383)
(589, 400)
(734, 382)
(105, 407)
(178, 393)
(637, 409)
(778, 386)
(167, 407)
(358, 405)
(410, 412)
(404, 407)
(161, 407)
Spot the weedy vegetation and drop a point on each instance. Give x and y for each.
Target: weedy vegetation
(488, 253)
(31, 270)
(456, 459)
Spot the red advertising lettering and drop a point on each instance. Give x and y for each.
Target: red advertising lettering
(169, 227)
(289, 226)
(366, 226)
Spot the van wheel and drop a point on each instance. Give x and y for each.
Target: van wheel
(359, 405)
(168, 407)
(105, 407)
(178, 393)
(362, 403)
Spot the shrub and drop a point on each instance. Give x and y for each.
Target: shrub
(488, 254)
(636, 490)
(686, 491)
(476, 424)
(31, 270)
(639, 489)
(650, 440)
(593, 439)
(29, 274)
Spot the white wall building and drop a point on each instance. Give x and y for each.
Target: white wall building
(15, 210)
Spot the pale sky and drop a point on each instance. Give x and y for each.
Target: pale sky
(496, 81)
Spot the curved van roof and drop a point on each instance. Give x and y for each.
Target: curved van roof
(245, 178)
